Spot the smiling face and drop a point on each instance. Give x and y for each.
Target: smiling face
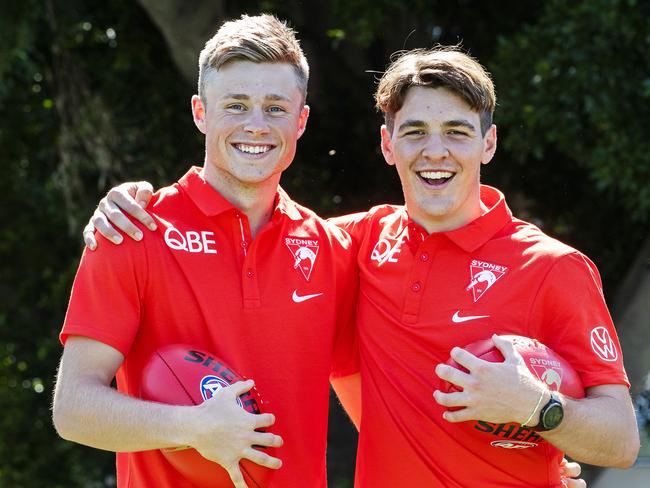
(252, 119)
(437, 147)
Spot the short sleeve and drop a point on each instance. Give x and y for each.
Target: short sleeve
(571, 317)
(105, 302)
(354, 224)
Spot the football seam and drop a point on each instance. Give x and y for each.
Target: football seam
(173, 373)
(257, 485)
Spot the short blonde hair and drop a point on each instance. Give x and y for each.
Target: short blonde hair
(441, 66)
(260, 39)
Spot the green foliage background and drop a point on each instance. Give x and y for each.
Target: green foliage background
(89, 96)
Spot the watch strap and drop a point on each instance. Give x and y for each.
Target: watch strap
(546, 422)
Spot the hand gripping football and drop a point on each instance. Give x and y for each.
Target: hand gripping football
(545, 364)
(179, 374)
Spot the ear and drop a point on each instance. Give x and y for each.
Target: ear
(198, 113)
(302, 120)
(489, 144)
(387, 145)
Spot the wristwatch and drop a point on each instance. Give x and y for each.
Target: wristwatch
(551, 415)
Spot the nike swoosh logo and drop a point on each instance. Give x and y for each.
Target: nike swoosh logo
(457, 319)
(298, 298)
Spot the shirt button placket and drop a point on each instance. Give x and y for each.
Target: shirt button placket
(420, 264)
(250, 289)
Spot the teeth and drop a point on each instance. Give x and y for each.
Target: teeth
(252, 149)
(435, 175)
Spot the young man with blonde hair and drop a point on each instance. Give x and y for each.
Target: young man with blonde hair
(224, 272)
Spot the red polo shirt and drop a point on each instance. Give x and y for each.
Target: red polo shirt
(277, 308)
(416, 294)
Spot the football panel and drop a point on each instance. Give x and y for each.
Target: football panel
(173, 375)
(161, 384)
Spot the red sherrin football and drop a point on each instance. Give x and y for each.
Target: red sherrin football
(179, 374)
(542, 361)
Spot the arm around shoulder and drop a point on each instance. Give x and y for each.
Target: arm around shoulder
(128, 198)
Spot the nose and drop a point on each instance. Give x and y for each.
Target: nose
(435, 148)
(256, 123)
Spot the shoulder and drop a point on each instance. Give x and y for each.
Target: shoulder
(534, 240)
(172, 207)
(303, 223)
(164, 207)
(360, 223)
(166, 197)
(535, 245)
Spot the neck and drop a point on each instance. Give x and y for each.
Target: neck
(432, 224)
(256, 201)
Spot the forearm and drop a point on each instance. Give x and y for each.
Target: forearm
(598, 430)
(99, 416)
(88, 411)
(348, 391)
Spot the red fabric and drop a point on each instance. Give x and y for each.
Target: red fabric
(411, 285)
(231, 295)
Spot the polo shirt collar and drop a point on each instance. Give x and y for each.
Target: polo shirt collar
(284, 205)
(212, 203)
(473, 235)
(480, 230)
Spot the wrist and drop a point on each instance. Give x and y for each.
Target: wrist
(542, 397)
(181, 428)
(551, 414)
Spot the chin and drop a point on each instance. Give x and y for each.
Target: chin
(438, 210)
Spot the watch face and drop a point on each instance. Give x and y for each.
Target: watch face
(553, 416)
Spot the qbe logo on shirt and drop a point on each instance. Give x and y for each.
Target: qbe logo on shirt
(190, 241)
(386, 251)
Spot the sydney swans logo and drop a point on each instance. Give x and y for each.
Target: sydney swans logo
(483, 276)
(304, 252)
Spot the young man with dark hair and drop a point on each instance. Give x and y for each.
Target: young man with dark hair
(453, 266)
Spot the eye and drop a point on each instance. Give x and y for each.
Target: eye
(457, 133)
(414, 132)
(276, 109)
(236, 107)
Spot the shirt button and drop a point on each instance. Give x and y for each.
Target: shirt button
(416, 287)
(244, 244)
(424, 256)
(250, 273)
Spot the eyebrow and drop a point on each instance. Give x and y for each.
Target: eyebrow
(411, 123)
(243, 96)
(415, 123)
(460, 123)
